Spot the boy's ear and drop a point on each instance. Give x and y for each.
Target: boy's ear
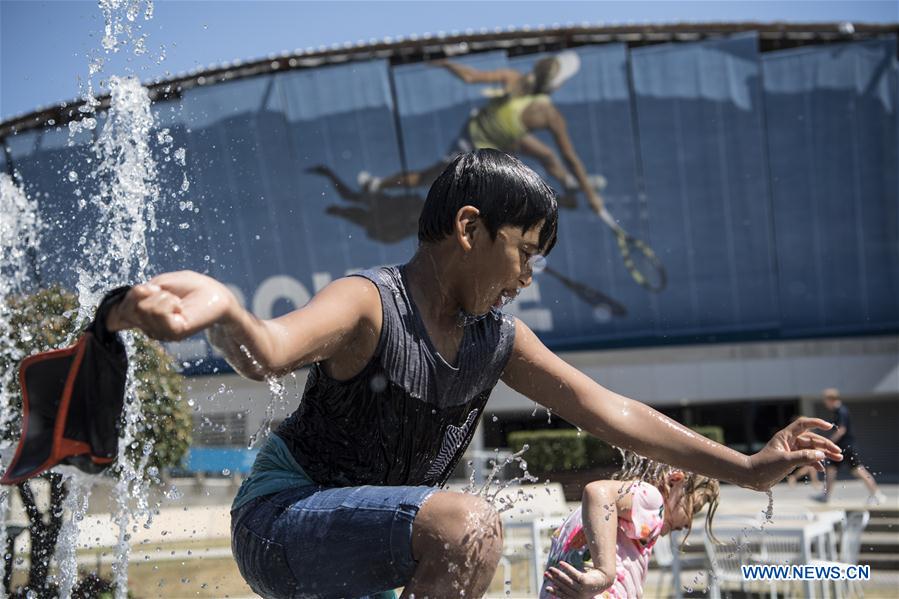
(466, 226)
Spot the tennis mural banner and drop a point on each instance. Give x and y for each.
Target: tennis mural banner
(707, 191)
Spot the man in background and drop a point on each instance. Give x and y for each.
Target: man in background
(844, 437)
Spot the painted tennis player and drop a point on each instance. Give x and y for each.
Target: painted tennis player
(508, 122)
(344, 499)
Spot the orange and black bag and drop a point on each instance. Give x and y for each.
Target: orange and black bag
(72, 401)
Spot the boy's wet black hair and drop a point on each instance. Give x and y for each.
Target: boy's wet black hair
(501, 187)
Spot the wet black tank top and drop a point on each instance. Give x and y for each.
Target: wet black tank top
(408, 416)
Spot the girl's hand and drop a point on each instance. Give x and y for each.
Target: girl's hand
(172, 306)
(568, 582)
(791, 448)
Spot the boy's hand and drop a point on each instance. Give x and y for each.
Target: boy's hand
(172, 306)
(568, 582)
(790, 448)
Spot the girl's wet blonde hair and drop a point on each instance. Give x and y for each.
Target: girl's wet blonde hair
(699, 490)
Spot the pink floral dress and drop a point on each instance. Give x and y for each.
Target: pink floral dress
(636, 536)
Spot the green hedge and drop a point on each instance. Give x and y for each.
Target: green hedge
(559, 450)
(600, 453)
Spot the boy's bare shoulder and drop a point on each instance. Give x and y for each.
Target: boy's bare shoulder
(352, 283)
(359, 293)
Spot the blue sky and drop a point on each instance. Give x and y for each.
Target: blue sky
(44, 44)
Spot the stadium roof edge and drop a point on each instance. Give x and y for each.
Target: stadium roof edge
(417, 48)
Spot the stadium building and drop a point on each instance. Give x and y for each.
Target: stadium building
(758, 163)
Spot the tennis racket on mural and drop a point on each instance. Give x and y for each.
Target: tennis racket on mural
(595, 298)
(641, 262)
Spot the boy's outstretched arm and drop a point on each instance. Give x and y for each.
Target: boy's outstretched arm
(176, 305)
(539, 374)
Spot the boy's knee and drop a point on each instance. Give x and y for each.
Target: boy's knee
(477, 518)
(456, 522)
(480, 506)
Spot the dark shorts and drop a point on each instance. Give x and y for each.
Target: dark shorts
(851, 459)
(319, 542)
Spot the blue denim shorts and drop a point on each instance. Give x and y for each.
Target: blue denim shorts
(327, 542)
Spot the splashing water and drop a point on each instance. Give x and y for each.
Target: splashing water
(125, 204)
(465, 319)
(120, 31)
(121, 213)
(492, 488)
(20, 228)
(278, 399)
(120, 17)
(75, 505)
(132, 487)
(769, 510)
(742, 545)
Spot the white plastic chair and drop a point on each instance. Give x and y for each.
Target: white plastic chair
(850, 548)
(538, 510)
(663, 554)
(851, 539)
(668, 556)
(737, 547)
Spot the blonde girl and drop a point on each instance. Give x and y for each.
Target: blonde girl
(603, 548)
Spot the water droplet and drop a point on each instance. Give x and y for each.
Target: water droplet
(537, 263)
(73, 176)
(602, 313)
(378, 383)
